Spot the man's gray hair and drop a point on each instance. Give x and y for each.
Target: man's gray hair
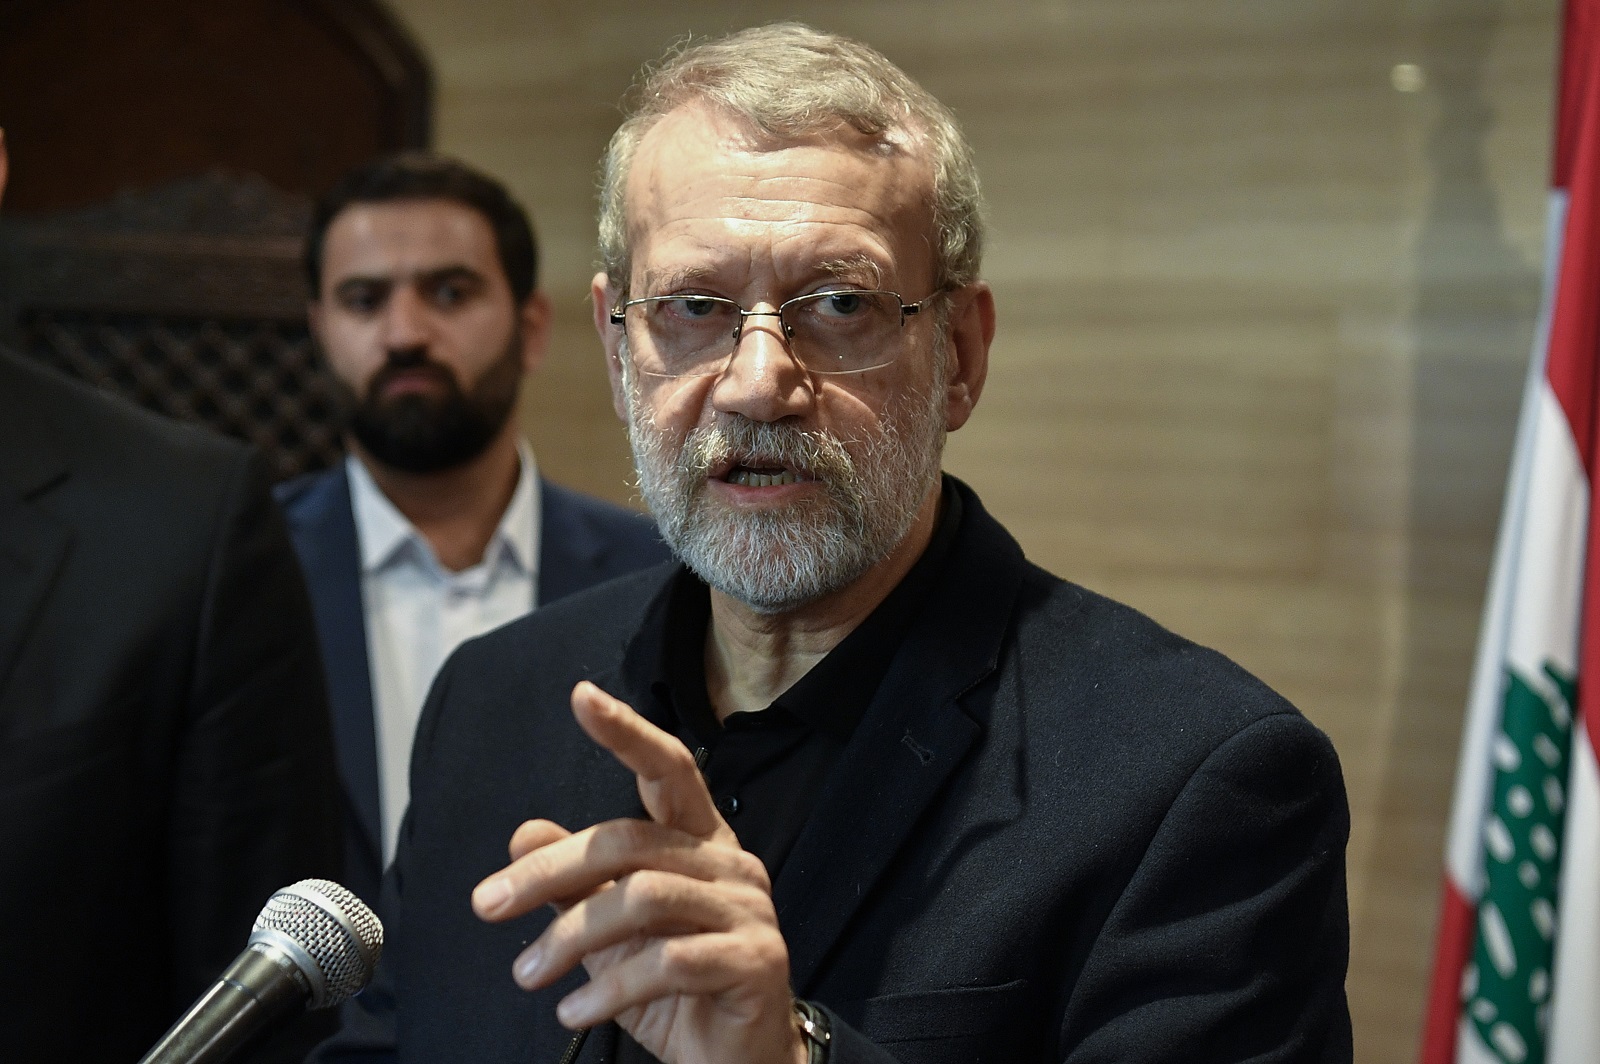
(790, 81)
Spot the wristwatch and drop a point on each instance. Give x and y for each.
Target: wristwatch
(815, 1031)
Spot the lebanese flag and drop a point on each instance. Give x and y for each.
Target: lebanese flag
(1517, 973)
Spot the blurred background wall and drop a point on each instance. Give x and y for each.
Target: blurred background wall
(1267, 277)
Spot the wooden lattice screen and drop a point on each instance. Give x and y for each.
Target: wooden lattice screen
(188, 299)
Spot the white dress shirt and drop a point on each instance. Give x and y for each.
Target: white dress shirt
(417, 612)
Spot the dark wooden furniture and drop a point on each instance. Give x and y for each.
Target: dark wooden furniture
(188, 299)
(97, 96)
(164, 156)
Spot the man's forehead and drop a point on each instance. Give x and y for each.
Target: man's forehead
(700, 161)
(407, 236)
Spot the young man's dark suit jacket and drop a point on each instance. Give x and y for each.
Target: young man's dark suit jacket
(1059, 833)
(582, 541)
(165, 759)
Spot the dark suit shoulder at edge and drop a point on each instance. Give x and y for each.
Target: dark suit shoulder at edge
(82, 419)
(296, 488)
(1125, 638)
(607, 611)
(589, 503)
(605, 517)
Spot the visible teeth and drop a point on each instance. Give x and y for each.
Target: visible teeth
(746, 479)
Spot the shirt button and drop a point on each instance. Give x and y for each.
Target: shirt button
(727, 805)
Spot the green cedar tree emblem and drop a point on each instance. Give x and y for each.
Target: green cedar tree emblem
(1507, 987)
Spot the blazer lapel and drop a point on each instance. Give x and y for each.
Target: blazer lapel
(33, 547)
(33, 544)
(568, 549)
(324, 530)
(910, 740)
(600, 788)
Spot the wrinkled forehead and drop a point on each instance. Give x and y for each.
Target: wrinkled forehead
(701, 166)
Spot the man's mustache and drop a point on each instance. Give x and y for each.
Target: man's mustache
(815, 453)
(408, 362)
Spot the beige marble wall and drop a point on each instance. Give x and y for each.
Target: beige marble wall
(1265, 306)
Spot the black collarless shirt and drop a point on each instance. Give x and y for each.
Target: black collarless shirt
(765, 769)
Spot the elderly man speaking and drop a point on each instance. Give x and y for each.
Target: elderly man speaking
(851, 780)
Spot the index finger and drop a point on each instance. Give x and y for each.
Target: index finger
(670, 785)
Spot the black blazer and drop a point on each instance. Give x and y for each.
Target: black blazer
(165, 759)
(1059, 833)
(582, 542)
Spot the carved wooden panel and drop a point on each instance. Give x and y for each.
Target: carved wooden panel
(189, 300)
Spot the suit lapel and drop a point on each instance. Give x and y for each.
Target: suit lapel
(324, 530)
(33, 544)
(602, 789)
(569, 551)
(33, 547)
(911, 738)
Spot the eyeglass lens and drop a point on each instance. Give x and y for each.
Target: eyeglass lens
(827, 332)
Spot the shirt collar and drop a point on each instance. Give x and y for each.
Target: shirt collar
(384, 533)
(519, 525)
(381, 529)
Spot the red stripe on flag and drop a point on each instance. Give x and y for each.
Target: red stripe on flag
(1574, 352)
(1575, 315)
(1591, 712)
(1577, 41)
(1454, 948)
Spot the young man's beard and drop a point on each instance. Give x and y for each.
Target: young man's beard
(417, 433)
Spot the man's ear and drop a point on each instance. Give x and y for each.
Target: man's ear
(537, 317)
(5, 164)
(971, 328)
(604, 295)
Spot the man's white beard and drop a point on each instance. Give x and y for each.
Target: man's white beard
(775, 560)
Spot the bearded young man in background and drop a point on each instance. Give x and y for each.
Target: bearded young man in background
(437, 526)
(854, 781)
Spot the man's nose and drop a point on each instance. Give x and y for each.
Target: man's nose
(405, 320)
(763, 380)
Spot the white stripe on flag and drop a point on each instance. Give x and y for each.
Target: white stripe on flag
(1464, 844)
(1531, 619)
(1548, 597)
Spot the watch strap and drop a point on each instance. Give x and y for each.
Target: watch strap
(815, 1030)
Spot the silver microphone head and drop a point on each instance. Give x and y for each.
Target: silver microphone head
(329, 934)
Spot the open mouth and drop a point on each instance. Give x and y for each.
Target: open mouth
(758, 474)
